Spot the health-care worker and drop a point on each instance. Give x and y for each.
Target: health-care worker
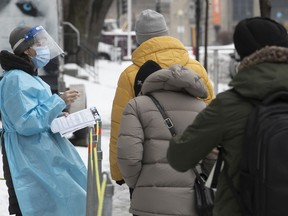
(44, 169)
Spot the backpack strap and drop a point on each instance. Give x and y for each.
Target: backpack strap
(166, 118)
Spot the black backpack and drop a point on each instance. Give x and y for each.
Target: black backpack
(264, 166)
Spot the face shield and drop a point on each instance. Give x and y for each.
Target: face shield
(41, 38)
(38, 37)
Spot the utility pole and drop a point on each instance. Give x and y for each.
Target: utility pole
(158, 6)
(118, 13)
(206, 34)
(265, 8)
(198, 19)
(129, 21)
(123, 6)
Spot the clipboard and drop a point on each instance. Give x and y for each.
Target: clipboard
(75, 121)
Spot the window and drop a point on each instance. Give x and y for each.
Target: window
(242, 9)
(279, 10)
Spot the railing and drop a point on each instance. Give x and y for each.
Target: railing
(86, 58)
(77, 52)
(218, 66)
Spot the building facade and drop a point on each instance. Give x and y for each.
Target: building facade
(180, 16)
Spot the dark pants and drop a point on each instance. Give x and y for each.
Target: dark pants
(131, 192)
(13, 202)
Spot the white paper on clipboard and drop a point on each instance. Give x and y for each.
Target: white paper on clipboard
(74, 121)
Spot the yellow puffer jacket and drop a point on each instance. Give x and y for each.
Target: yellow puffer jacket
(164, 50)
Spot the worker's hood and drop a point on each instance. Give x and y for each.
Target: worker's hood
(9, 61)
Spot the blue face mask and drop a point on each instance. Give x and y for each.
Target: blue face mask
(42, 56)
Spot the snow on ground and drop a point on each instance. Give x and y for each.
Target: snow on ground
(100, 93)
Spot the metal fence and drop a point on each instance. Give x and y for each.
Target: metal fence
(219, 65)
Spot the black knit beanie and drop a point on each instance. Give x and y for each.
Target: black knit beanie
(144, 71)
(255, 33)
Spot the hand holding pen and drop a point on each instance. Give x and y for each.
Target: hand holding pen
(69, 96)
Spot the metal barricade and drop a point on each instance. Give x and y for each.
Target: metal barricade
(100, 189)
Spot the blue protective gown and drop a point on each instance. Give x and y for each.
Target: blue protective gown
(48, 174)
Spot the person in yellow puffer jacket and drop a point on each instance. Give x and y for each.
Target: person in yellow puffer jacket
(154, 44)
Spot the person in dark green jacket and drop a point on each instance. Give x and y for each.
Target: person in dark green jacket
(262, 44)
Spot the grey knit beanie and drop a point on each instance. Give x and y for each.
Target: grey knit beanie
(150, 24)
(17, 42)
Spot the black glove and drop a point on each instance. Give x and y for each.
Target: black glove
(120, 182)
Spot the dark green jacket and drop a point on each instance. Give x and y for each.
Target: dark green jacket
(224, 120)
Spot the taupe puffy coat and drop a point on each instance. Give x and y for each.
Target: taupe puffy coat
(144, 138)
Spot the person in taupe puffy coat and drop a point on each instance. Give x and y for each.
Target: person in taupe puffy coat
(144, 139)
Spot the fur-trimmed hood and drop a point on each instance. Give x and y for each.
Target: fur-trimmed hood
(267, 54)
(262, 73)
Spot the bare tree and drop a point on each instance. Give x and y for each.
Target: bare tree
(88, 17)
(265, 8)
